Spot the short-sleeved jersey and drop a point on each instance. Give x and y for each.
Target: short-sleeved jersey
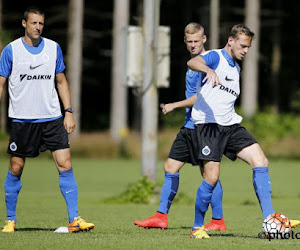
(216, 105)
(31, 78)
(191, 79)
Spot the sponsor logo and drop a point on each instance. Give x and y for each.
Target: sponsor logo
(34, 67)
(13, 146)
(206, 150)
(69, 191)
(230, 91)
(228, 79)
(34, 77)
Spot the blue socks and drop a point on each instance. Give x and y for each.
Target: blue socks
(216, 202)
(168, 192)
(69, 190)
(203, 198)
(12, 187)
(262, 187)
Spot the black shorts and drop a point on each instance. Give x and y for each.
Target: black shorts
(214, 140)
(182, 148)
(29, 139)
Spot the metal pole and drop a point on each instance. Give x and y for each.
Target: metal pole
(150, 97)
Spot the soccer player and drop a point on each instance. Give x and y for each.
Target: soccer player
(181, 151)
(218, 130)
(31, 64)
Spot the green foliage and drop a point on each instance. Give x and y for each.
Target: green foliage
(271, 128)
(295, 105)
(175, 119)
(138, 193)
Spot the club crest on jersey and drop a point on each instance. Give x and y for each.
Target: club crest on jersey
(206, 150)
(13, 146)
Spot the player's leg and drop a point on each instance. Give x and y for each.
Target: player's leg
(179, 154)
(12, 187)
(203, 197)
(67, 182)
(256, 158)
(69, 190)
(217, 222)
(168, 192)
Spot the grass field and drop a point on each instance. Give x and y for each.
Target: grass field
(41, 208)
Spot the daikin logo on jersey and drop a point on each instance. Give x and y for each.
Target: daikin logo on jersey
(34, 77)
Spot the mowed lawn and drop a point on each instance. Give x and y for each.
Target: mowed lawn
(41, 208)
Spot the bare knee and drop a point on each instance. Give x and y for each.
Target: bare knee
(212, 180)
(16, 165)
(172, 166)
(64, 165)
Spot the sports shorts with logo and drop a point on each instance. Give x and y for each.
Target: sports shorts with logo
(29, 139)
(214, 140)
(182, 148)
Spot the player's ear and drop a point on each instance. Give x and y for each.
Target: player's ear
(24, 23)
(204, 38)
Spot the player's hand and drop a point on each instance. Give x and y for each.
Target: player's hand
(212, 78)
(167, 108)
(69, 122)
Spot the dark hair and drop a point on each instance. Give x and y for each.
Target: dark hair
(238, 29)
(32, 9)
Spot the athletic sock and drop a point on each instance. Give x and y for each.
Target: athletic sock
(168, 192)
(69, 190)
(12, 187)
(216, 202)
(203, 199)
(262, 187)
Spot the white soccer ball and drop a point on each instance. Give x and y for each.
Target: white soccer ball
(276, 225)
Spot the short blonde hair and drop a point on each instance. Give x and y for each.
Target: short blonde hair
(193, 28)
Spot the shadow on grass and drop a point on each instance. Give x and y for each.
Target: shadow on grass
(31, 229)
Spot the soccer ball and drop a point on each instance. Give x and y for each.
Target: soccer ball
(276, 225)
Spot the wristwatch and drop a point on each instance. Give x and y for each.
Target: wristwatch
(70, 110)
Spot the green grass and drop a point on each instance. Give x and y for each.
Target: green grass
(41, 208)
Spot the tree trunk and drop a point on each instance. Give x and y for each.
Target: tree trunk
(118, 112)
(150, 97)
(74, 57)
(250, 64)
(214, 24)
(3, 106)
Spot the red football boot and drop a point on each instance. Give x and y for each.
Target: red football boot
(216, 225)
(159, 220)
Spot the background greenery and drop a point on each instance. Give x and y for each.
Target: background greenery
(41, 208)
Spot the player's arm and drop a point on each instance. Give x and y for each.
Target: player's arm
(198, 64)
(187, 103)
(2, 82)
(64, 93)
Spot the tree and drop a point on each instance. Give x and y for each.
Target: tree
(74, 57)
(214, 24)
(3, 108)
(250, 64)
(118, 111)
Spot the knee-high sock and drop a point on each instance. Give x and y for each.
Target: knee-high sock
(69, 190)
(262, 187)
(12, 187)
(203, 199)
(168, 192)
(216, 201)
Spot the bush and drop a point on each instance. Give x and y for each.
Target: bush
(139, 193)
